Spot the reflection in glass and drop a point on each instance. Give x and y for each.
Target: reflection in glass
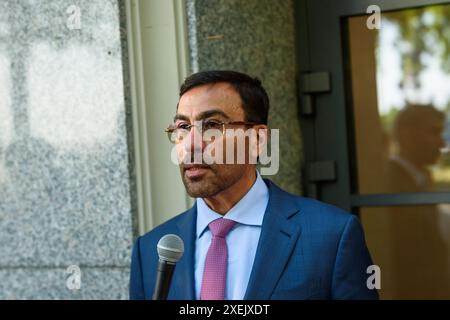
(401, 98)
(411, 244)
(416, 143)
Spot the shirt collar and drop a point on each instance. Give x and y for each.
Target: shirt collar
(249, 210)
(419, 177)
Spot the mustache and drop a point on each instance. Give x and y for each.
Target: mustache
(193, 160)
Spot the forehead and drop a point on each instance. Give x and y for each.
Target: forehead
(219, 96)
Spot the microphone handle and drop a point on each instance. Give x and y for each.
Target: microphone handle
(163, 279)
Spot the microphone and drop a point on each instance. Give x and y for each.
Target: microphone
(170, 249)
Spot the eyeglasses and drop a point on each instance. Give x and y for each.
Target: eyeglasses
(177, 133)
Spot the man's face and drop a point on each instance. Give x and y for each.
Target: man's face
(217, 102)
(422, 143)
(429, 141)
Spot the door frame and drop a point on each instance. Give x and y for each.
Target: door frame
(157, 49)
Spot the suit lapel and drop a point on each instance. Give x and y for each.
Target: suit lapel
(277, 240)
(184, 280)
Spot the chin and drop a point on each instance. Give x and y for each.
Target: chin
(195, 189)
(200, 189)
(197, 193)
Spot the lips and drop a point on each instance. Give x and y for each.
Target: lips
(195, 170)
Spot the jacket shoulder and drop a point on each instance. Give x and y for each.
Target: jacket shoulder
(311, 211)
(318, 209)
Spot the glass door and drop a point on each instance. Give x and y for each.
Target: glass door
(385, 125)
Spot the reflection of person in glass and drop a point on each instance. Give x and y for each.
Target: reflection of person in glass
(417, 132)
(420, 268)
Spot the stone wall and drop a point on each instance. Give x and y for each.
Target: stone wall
(65, 195)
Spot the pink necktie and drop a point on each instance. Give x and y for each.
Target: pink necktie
(215, 272)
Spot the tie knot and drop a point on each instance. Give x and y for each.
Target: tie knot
(221, 227)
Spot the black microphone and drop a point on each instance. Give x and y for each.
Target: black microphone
(170, 249)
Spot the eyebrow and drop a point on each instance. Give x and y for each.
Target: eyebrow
(203, 115)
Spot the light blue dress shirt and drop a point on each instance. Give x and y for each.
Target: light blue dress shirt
(242, 240)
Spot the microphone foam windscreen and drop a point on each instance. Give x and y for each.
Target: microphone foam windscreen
(170, 248)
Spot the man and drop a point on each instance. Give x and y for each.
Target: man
(420, 269)
(245, 238)
(417, 133)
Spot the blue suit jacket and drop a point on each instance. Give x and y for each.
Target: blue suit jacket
(307, 250)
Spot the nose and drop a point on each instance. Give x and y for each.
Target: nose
(194, 141)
